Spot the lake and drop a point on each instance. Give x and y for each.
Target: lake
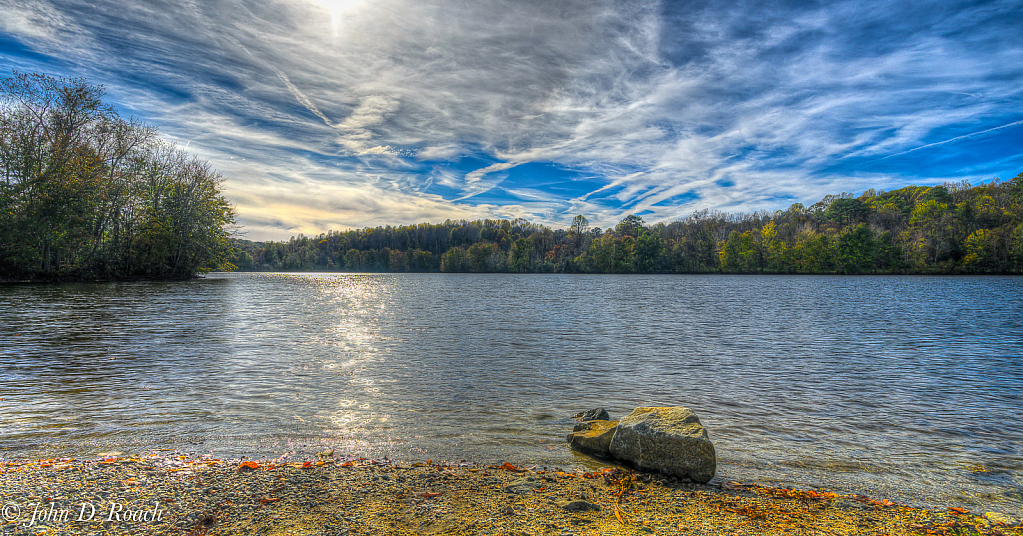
(906, 388)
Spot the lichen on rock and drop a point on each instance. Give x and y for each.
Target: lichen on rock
(670, 440)
(593, 437)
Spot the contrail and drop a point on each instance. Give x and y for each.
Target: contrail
(302, 98)
(957, 138)
(472, 179)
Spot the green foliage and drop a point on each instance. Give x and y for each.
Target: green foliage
(454, 260)
(85, 194)
(855, 250)
(648, 252)
(632, 226)
(982, 251)
(847, 211)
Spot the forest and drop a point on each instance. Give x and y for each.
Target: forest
(954, 228)
(88, 195)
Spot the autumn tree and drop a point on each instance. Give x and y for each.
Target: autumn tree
(87, 194)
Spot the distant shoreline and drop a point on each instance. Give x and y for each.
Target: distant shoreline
(67, 280)
(94, 280)
(1011, 274)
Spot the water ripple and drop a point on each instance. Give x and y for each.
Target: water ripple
(900, 387)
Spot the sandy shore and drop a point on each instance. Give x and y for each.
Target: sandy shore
(179, 495)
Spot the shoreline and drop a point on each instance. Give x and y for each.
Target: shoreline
(181, 494)
(71, 279)
(59, 280)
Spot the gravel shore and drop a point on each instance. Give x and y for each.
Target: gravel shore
(181, 495)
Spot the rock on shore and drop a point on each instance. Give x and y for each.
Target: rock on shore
(670, 440)
(593, 437)
(595, 414)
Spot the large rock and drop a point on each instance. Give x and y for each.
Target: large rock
(595, 414)
(669, 440)
(593, 437)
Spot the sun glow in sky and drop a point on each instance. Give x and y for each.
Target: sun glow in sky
(404, 111)
(337, 8)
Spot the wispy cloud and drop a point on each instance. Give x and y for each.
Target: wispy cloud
(395, 111)
(303, 99)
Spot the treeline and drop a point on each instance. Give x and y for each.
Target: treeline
(947, 229)
(86, 194)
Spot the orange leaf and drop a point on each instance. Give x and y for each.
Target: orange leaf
(249, 465)
(268, 500)
(618, 514)
(960, 511)
(428, 495)
(307, 465)
(509, 467)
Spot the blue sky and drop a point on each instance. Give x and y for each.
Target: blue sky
(332, 114)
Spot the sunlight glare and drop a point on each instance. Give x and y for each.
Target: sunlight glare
(337, 7)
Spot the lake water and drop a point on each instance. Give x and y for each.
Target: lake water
(907, 388)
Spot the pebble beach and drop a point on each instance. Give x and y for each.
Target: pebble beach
(177, 494)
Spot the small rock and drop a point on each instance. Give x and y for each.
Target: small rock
(670, 440)
(594, 437)
(578, 506)
(1001, 519)
(522, 485)
(595, 414)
